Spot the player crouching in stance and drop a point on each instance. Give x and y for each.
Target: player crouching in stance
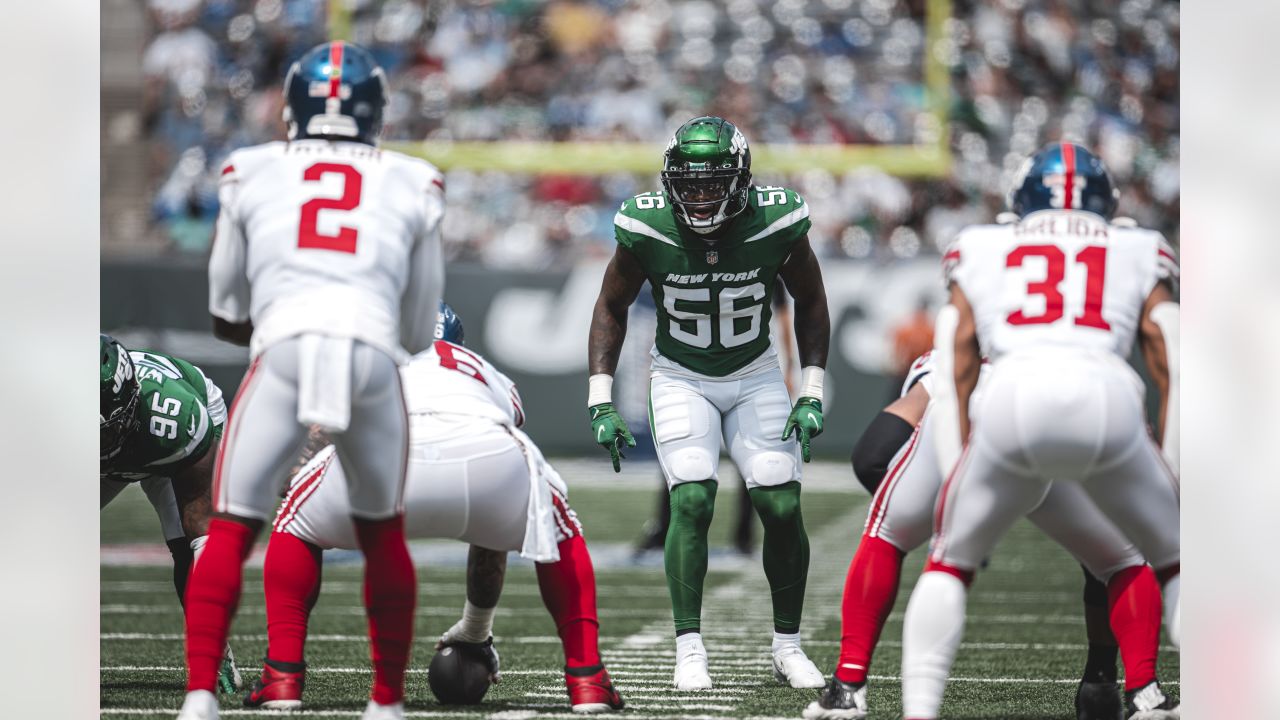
(1054, 301)
(327, 263)
(472, 476)
(894, 459)
(711, 245)
(160, 423)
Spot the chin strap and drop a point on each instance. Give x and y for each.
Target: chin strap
(1166, 316)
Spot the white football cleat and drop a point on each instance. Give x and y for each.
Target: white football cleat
(793, 667)
(374, 711)
(692, 674)
(199, 705)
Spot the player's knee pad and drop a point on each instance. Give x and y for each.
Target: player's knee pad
(693, 503)
(770, 469)
(690, 464)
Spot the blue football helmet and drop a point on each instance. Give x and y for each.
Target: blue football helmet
(337, 91)
(449, 325)
(1064, 176)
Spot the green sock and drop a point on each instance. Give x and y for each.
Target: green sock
(685, 553)
(786, 551)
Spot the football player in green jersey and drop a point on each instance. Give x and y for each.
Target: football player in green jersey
(159, 424)
(711, 244)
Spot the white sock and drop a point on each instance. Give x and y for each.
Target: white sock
(689, 644)
(1172, 592)
(785, 640)
(475, 626)
(931, 634)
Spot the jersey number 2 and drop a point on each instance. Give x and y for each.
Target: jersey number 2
(1094, 259)
(309, 236)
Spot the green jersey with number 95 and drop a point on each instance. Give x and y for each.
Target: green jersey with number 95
(181, 415)
(714, 291)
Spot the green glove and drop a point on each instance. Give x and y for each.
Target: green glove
(611, 431)
(806, 420)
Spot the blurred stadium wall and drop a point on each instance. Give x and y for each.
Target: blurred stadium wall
(899, 120)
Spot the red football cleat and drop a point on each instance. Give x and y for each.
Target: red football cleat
(276, 690)
(592, 693)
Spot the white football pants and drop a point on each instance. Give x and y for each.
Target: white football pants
(1071, 416)
(263, 436)
(691, 416)
(902, 510)
(471, 485)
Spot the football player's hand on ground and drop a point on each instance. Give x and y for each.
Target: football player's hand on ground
(610, 432)
(806, 421)
(484, 651)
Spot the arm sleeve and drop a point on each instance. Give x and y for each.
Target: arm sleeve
(228, 261)
(421, 298)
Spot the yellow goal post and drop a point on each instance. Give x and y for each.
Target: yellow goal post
(602, 158)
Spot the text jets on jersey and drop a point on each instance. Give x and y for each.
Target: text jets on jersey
(711, 244)
(327, 263)
(1054, 301)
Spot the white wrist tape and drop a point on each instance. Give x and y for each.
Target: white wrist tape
(599, 389)
(476, 624)
(811, 382)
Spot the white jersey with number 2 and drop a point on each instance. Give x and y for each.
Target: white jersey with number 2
(1058, 278)
(331, 238)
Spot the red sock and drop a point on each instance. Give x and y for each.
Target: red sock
(213, 593)
(291, 583)
(390, 594)
(869, 591)
(1134, 598)
(569, 592)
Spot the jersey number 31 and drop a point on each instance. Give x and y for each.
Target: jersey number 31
(309, 235)
(1094, 260)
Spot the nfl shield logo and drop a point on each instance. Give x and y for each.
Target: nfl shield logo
(713, 257)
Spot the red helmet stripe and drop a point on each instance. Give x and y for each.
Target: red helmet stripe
(335, 67)
(1069, 164)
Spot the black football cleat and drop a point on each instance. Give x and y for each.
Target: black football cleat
(1099, 701)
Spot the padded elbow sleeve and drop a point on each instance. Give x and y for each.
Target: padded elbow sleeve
(875, 449)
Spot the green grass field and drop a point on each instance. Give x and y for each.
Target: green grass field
(1024, 644)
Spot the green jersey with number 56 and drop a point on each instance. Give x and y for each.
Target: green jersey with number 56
(180, 416)
(713, 291)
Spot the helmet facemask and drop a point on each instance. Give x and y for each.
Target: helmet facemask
(704, 199)
(118, 405)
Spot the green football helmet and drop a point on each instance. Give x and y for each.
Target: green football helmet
(707, 173)
(119, 395)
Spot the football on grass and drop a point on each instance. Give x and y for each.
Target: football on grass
(458, 675)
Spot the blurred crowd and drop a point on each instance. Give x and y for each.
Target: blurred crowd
(1022, 73)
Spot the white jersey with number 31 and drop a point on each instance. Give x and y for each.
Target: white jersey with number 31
(1058, 277)
(335, 238)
